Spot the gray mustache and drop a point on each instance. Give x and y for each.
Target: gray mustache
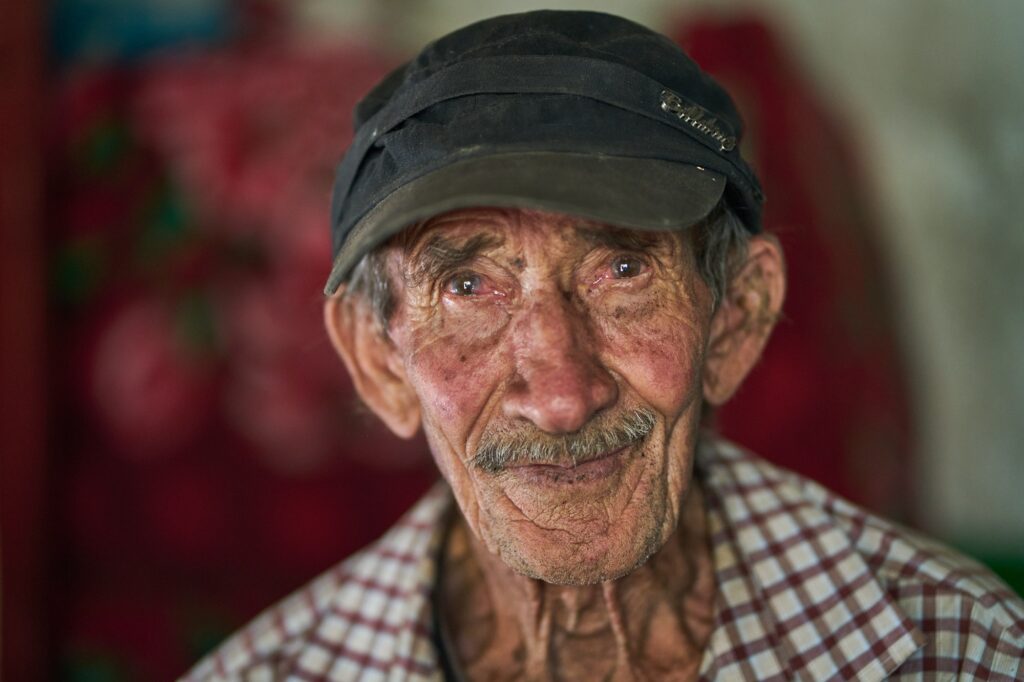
(499, 451)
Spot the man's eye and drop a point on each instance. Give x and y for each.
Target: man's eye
(626, 266)
(465, 284)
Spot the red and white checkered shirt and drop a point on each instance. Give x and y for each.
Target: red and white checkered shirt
(810, 587)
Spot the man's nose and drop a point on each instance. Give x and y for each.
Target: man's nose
(560, 382)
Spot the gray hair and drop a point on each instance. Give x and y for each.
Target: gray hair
(529, 445)
(719, 243)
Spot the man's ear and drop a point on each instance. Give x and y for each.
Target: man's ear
(744, 319)
(373, 362)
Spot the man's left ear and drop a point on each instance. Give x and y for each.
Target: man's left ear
(744, 319)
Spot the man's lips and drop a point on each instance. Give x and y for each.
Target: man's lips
(569, 464)
(567, 472)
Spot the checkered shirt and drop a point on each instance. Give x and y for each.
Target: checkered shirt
(810, 587)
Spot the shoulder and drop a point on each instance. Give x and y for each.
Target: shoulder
(970, 621)
(365, 613)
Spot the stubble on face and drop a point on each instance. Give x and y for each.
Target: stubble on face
(518, 486)
(576, 487)
(568, 526)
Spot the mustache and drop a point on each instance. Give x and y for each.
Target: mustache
(530, 445)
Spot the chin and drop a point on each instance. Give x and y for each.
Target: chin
(583, 562)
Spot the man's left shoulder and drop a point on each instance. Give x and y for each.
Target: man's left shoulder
(970, 621)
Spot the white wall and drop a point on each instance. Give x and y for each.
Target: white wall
(934, 92)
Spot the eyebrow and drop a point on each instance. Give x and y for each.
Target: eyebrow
(617, 237)
(440, 255)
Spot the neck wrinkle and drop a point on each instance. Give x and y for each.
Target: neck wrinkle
(654, 621)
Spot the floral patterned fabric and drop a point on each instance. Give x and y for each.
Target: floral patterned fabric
(211, 453)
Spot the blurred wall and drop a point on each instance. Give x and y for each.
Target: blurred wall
(931, 91)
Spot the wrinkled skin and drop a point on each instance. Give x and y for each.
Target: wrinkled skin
(551, 337)
(538, 325)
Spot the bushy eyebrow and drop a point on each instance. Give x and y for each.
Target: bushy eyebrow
(440, 255)
(617, 238)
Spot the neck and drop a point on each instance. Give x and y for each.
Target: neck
(650, 624)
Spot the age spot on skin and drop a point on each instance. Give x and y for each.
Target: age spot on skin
(641, 311)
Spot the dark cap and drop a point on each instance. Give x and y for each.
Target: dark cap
(577, 112)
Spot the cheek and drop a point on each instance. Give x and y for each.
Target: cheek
(454, 374)
(658, 347)
(455, 369)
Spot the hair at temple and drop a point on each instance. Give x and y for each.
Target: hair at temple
(719, 242)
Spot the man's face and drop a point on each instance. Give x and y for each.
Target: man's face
(557, 366)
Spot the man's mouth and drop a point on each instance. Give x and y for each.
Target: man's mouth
(569, 464)
(562, 473)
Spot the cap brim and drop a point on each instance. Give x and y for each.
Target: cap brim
(646, 194)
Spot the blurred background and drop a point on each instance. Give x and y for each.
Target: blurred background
(179, 446)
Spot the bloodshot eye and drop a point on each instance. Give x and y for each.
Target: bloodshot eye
(464, 284)
(626, 266)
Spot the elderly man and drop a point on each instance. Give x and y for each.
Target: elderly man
(549, 258)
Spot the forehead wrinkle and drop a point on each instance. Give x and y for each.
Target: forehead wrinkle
(410, 238)
(446, 242)
(441, 253)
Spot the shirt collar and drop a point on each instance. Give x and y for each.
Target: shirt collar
(795, 597)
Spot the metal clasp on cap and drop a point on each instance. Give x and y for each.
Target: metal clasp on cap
(698, 118)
